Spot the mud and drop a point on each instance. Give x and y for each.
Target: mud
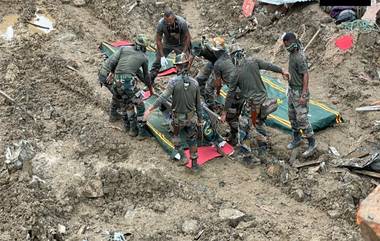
(88, 177)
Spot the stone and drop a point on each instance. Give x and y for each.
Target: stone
(299, 195)
(233, 216)
(190, 226)
(333, 213)
(368, 216)
(93, 189)
(79, 3)
(17, 154)
(61, 229)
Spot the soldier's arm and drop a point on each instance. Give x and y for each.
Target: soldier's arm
(109, 66)
(146, 75)
(198, 104)
(302, 68)
(164, 96)
(269, 66)
(159, 33)
(187, 38)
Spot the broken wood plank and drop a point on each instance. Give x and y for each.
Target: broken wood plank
(71, 68)
(13, 101)
(308, 163)
(7, 96)
(367, 173)
(38, 26)
(312, 39)
(368, 108)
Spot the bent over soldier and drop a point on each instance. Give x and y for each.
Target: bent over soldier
(119, 74)
(186, 110)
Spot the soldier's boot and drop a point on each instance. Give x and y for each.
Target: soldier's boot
(233, 138)
(263, 151)
(126, 123)
(311, 147)
(183, 159)
(194, 165)
(142, 132)
(133, 130)
(296, 141)
(114, 115)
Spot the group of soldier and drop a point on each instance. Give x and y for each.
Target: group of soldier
(241, 74)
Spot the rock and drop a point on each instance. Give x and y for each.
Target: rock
(299, 195)
(368, 216)
(82, 230)
(17, 154)
(93, 189)
(67, 37)
(333, 213)
(263, 20)
(79, 3)
(61, 229)
(233, 216)
(190, 226)
(12, 72)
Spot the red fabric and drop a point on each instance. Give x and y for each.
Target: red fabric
(121, 43)
(248, 7)
(168, 72)
(344, 42)
(207, 153)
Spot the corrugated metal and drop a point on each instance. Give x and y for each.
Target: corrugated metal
(280, 2)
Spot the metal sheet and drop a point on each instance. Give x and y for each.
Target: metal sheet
(280, 2)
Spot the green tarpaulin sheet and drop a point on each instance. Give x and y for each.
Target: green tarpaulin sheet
(321, 115)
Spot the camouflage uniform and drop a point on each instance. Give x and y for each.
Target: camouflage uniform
(204, 50)
(253, 92)
(186, 108)
(298, 114)
(125, 64)
(173, 40)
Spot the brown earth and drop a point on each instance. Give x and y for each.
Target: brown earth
(90, 177)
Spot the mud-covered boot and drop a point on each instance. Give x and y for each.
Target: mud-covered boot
(295, 142)
(233, 139)
(133, 130)
(194, 165)
(114, 115)
(142, 133)
(311, 147)
(183, 159)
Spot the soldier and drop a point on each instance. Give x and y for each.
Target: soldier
(119, 74)
(174, 32)
(204, 49)
(253, 91)
(186, 108)
(298, 94)
(224, 72)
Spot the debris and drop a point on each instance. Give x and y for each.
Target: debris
(133, 6)
(198, 236)
(366, 160)
(333, 213)
(248, 6)
(15, 103)
(368, 216)
(93, 189)
(312, 39)
(71, 68)
(17, 154)
(79, 3)
(82, 230)
(234, 216)
(61, 229)
(38, 26)
(190, 226)
(299, 195)
(368, 108)
(267, 210)
(308, 163)
(367, 173)
(114, 236)
(334, 151)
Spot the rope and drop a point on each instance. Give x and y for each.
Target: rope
(362, 26)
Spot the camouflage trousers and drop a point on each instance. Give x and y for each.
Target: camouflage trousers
(257, 111)
(186, 123)
(202, 77)
(131, 104)
(232, 118)
(298, 114)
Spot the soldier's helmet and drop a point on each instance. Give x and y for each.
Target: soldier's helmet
(142, 40)
(181, 59)
(217, 44)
